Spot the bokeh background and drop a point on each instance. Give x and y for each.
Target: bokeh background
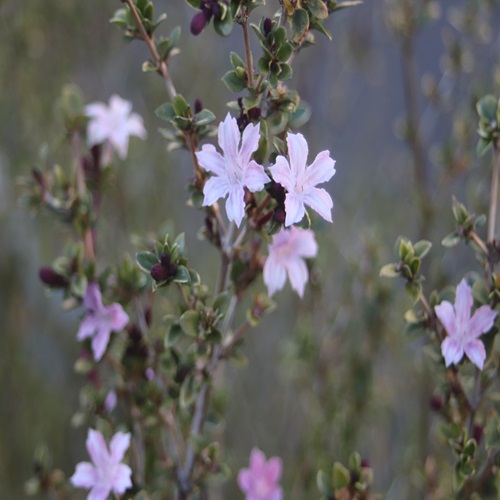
(392, 98)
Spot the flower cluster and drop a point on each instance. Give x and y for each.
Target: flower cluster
(234, 171)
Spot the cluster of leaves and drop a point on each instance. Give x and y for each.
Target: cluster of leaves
(488, 109)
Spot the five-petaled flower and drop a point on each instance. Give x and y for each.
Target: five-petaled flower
(300, 181)
(286, 256)
(464, 330)
(106, 474)
(113, 125)
(261, 480)
(100, 320)
(234, 171)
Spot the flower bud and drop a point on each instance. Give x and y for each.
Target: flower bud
(51, 278)
(436, 403)
(268, 26)
(198, 22)
(279, 215)
(198, 106)
(254, 114)
(159, 273)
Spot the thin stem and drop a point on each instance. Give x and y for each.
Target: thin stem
(162, 65)
(234, 339)
(169, 421)
(248, 50)
(479, 242)
(494, 192)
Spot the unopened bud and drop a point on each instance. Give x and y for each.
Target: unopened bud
(254, 114)
(436, 403)
(198, 106)
(51, 278)
(268, 26)
(279, 215)
(198, 23)
(159, 273)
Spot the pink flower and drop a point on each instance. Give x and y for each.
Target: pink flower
(234, 170)
(100, 320)
(300, 181)
(106, 473)
(260, 481)
(463, 331)
(110, 401)
(286, 256)
(113, 124)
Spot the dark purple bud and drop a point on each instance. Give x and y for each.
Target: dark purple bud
(160, 273)
(277, 191)
(51, 278)
(268, 26)
(436, 403)
(240, 102)
(165, 259)
(279, 215)
(477, 432)
(148, 316)
(198, 106)
(198, 23)
(254, 114)
(216, 11)
(39, 178)
(365, 463)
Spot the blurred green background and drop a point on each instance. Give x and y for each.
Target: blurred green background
(327, 375)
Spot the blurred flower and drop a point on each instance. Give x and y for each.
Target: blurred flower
(234, 171)
(110, 401)
(106, 473)
(286, 256)
(113, 125)
(100, 320)
(464, 330)
(300, 180)
(260, 481)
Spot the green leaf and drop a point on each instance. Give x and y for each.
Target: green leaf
(480, 291)
(149, 66)
(188, 393)
(422, 248)
(389, 271)
(284, 52)
(451, 240)
(236, 60)
(414, 290)
(318, 8)
(487, 108)
(324, 484)
(173, 335)
(224, 26)
(344, 5)
(182, 275)
(232, 81)
(120, 19)
(180, 241)
(263, 65)
(165, 112)
(483, 145)
(221, 302)
(194, 3)
(285, 73)
(340, 476)
(204, 117)
(299, 22)
(181, 107)
(189, 322)
(146, 260)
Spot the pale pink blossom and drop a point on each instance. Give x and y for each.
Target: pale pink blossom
(110, 401)
(234, 170)
(106, 474)
(462, 329)
(113, 125)
(100, 320)
(286, 256)
(300, 181)
(261, 480)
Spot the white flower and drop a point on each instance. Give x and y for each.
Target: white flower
(113, 125)
(234, 170)
(300, 181)
(286, 256)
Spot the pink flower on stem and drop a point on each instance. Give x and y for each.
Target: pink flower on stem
(100, 320)
(286, 256)
(300, 181)
(106, 474)
(462, 329)
(113, 125)
(234, 170)
(260, 481)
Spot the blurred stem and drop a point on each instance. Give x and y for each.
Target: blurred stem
(479, 242)
(248, 49)
(494, 192)
(162, 65)
(414, 138)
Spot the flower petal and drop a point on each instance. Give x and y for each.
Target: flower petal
(321, 170)
(97, 448)
(118, 317)
(229, 137)
(274, 468)
(245, 480)
(257, 461)
(297, 152)
(463, 302)
(122, 480)
(235, 204)
(304, 241)
(93, 299)
(88, 327)
(320, 201)
(119, 140)
(249, 142)
(85, 475)
(118, 446)
(297, 274)
(100, 341)
(476, 352)
(452, 350)
(215, 188)
(211, 160)
(100, 492)
(274, 275)
(446, 315)
(255, 177)
(282, 173)
(294, 208)
(135, 126)
(481, 321)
